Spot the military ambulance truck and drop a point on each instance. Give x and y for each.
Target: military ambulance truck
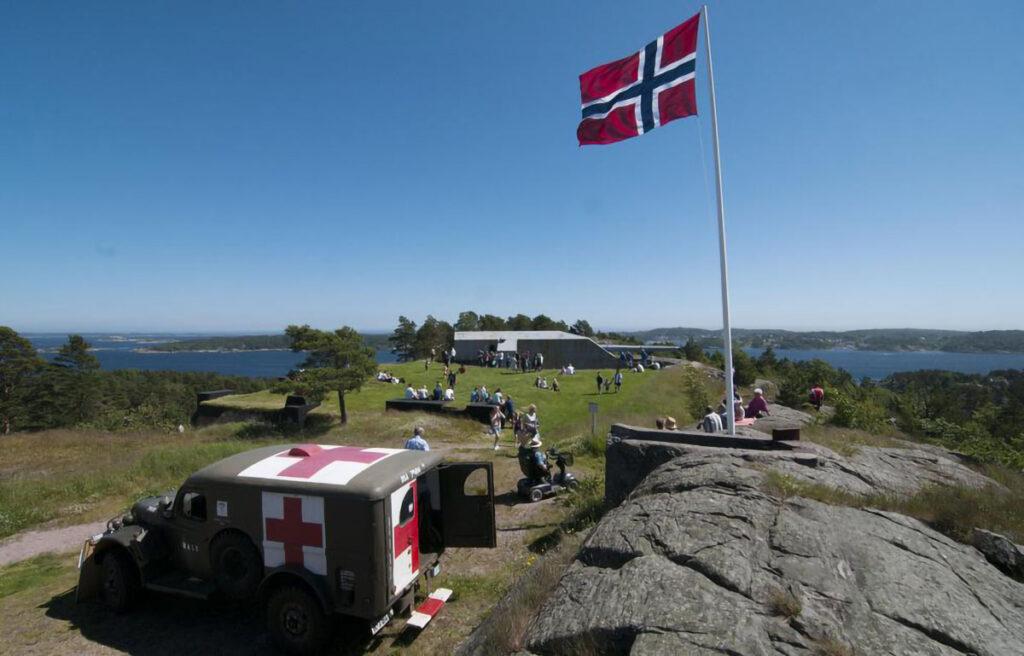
(322, 535)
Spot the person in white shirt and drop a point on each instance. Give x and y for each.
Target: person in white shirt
(410, 393)
(497, 398)
(570, 370)
(422, 393)
(712, 422)
(449, 394)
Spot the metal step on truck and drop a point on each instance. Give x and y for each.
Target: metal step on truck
(322, 536)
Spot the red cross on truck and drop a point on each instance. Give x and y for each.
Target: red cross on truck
(310, 530)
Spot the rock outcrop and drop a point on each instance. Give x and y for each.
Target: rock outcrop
(699, 559)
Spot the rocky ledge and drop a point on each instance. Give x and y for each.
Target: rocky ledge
(699, 559)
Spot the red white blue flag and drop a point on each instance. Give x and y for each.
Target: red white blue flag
(635, 94)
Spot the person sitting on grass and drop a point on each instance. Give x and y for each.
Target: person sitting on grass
(416, 442)
(757, 407)
(670, 423)
(410, 393)
(570, 370)
(543, 384)
(712, 422)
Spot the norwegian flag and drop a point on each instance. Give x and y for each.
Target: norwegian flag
(634, 95)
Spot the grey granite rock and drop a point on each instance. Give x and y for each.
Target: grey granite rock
(695, 558)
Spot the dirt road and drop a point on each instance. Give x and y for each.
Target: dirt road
(51, 540)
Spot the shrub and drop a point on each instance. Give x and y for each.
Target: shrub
(784, 604)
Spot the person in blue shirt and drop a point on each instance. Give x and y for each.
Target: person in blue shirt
(416, 442)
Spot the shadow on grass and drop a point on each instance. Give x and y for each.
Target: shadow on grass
(316, 426)
(165, 625)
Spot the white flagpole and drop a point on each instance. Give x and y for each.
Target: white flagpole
(726, 329)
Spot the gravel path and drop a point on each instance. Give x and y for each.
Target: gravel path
(53, 540)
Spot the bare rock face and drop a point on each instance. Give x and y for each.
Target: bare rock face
(1000, 551)
(699, 560)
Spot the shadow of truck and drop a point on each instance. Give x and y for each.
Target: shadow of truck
(164, 625)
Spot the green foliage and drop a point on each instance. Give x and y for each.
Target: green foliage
(468, 320)
(694, 351)
(433, 335)
(767, 361)
(403, 339)
(19, 364)
(582, 327)
(335, 361)
(491, 322)
(695, 391)
(746, 368)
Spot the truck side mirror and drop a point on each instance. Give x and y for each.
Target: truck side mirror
(165, 507)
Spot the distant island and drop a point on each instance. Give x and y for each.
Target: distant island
(881, 339)
(243, 343)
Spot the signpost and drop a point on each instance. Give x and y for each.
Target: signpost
(593, 419)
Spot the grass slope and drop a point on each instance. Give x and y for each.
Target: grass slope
(563, 414)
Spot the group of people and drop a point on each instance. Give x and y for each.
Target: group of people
(605, 384)
(542, 383)
(523, 362)
(715, 420)
(629, 361)
(388, 377)
(421, 394)
(525, 425)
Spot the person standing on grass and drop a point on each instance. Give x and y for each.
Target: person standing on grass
(497, 419)
(618, 380)
(600, 382)
(554, 384)
(509, 409)
(451, 379)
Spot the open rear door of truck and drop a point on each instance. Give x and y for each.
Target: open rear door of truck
(467, 504)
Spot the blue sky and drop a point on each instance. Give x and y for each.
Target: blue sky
(195, 166)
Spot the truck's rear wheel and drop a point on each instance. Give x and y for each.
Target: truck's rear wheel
(236, 564)
(119, 585)
(296, 621)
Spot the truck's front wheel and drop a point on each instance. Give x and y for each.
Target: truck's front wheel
(120, 581)
(296, 621)
(236, 563)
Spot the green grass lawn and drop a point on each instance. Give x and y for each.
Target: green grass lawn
(564, 414)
